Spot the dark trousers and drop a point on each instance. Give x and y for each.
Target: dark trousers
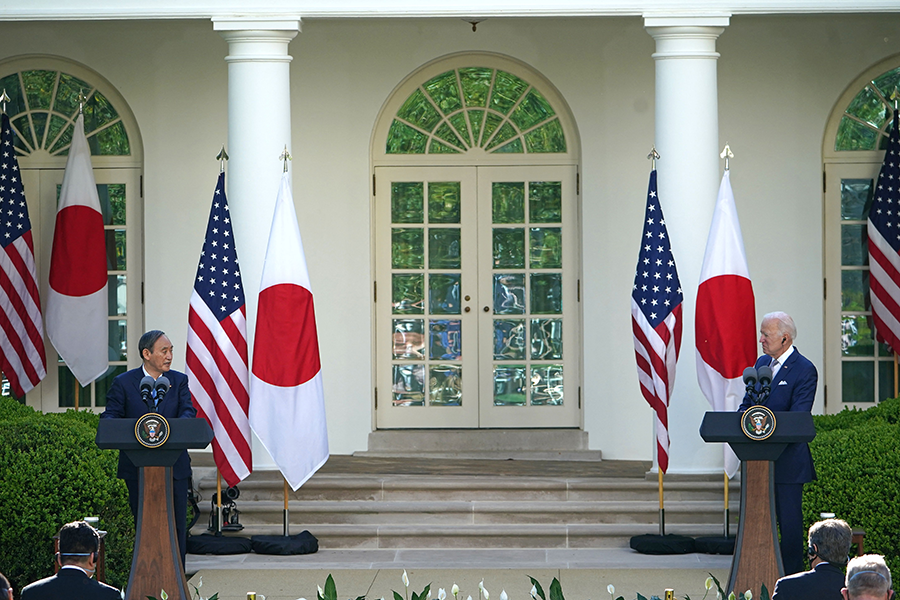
(789, 512)
(179, 503)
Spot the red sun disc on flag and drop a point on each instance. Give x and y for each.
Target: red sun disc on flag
(78, 261)
(725, 327)
(286, 351)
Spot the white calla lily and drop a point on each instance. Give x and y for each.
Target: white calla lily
(611, 589)
(503, 595)
(454, 590)
(748, 595)
(321, 591)
(442, 595)
(534, 592)
(405, 578)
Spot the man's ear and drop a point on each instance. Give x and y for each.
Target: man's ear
(844, 594)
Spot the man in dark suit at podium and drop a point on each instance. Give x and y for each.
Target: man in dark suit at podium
(79, 544)
(124, 400)
(793, 388)
(829, 544)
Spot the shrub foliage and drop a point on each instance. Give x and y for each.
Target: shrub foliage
(858, 470)
(52, 473)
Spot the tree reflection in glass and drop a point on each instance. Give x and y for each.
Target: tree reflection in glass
(509, 293)
(408, 385)
(509, 385)
(546, 385)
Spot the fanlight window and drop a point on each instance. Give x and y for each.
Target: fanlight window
(866, 124)
(43, 108)
(476, 107)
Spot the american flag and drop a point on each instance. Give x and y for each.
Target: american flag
(22, 356)
(217, 344)
(656, 319)
(884, 245)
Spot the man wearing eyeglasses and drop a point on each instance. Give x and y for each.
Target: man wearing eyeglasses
(79, 545)
(868, 578)
(829, 544)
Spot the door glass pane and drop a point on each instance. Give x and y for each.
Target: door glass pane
(508, 202)
(509, 385)
(856, 198)
(858, 384)
(509, 339)
(856, 336)
(545, 201)
(443, 202)
(409, 385)
(885, 379)
(407, 202)
(854, 245)
(445, 385)
(546, 339)
(443, 296)
(66, 390)
(445, 341)
(546, 247)
(546, 385)
(115, 249)
(443, 248)
(407, 294)
(117, 295)
(855, 290)
(509, 293)
(112, 202)
(408, 248)
(409, 339)
(102, 385)
(509, 248)
(118, 340)
(546, 293)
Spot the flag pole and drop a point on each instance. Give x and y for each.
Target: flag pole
(4, 98)
(727, 154)
(222, 156)
(287, 525)
(77, 385)
(218, 502)
(727, 512)
(662, 510)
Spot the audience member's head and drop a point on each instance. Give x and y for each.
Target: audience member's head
(829, 541)
(868, 578)
(79, 544)
(6, 592)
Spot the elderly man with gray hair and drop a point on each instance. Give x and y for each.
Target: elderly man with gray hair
(868, 578)
(793, 388)
(829, 544)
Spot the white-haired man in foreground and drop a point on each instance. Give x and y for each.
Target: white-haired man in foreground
(868, 578)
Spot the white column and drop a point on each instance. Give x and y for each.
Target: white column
(259, 128)
(687, 138)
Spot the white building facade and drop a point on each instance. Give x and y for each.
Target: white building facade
(471, 202)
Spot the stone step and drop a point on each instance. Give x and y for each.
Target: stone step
(479, 513)
(478, 536)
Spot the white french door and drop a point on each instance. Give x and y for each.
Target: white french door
(477, 308)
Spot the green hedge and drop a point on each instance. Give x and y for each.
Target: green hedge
(52, 473)
(858, 468)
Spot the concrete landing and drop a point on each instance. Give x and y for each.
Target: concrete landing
(583, 573)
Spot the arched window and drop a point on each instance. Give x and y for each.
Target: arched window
(859, 371)
(45, 93)
(476, 206)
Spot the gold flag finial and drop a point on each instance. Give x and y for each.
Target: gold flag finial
(285, 156)
(653, 157)
(4, 98)
(222, 156)
(726, 154)
(81, 99)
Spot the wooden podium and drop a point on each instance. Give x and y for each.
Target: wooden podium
(156, 564)
(757, 555)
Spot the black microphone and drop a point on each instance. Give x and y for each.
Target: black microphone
(146, 388)
(750, 376)
(162, 386)
(765, 382)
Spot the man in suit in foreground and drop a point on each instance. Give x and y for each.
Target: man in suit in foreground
(124, 401)
(868, 578)
(79, 544)
(793, 388)
(829, 544)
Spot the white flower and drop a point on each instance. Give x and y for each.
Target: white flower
(534, 592)
(709, 583)
(611, 589)
(163, 595)
(405, 578)
(486, 595)
(481, 586)
(503, 595)
(301, 598)
(731, 596)
(321, 591)
(454, 590)
(748, 595)
(442, 595)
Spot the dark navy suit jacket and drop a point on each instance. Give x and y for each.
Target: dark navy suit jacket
(822, 583)
(123, 400)
(794, 388)
(71, 584)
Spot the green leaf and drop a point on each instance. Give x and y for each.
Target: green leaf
(330, 588)
(423, 595)
(397, 596)
(556, 592)
(540, 590)
(764, 594)
(357, 598)
(639, 597)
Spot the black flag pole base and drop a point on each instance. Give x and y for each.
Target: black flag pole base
(662, 543)
(717, 545)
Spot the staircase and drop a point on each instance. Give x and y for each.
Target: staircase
(383, 502)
